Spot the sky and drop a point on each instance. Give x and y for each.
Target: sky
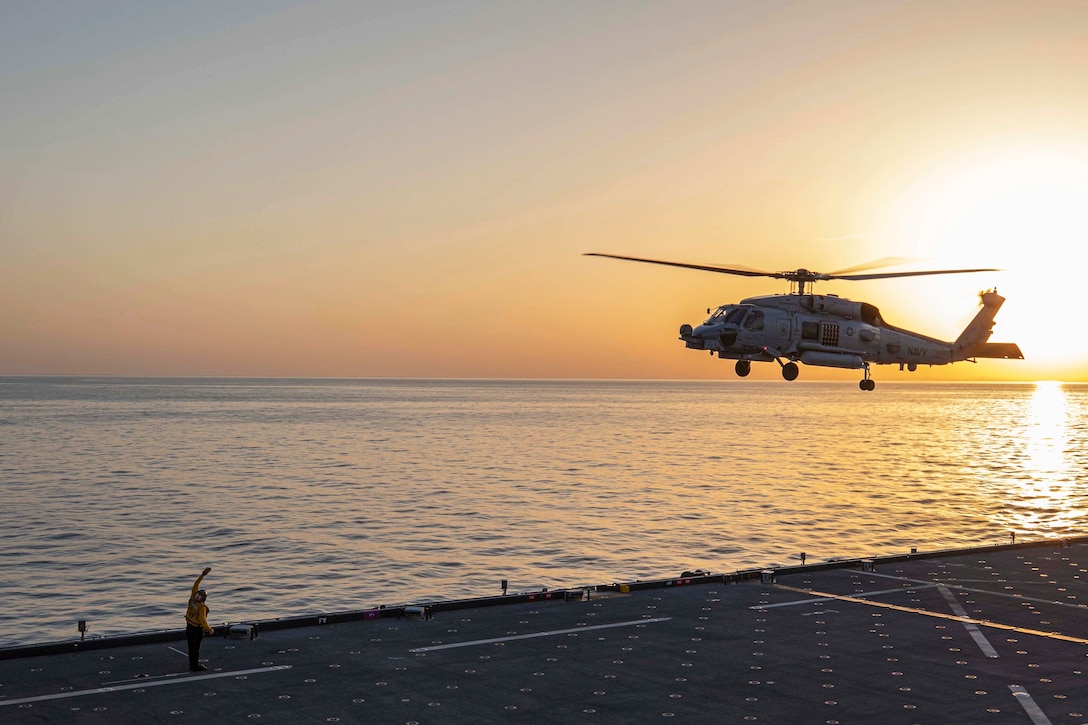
(407, 189)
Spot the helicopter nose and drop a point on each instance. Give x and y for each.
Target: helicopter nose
(726, 334)
(690, 339)
(708, 336)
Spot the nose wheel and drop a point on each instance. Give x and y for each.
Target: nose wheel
(867, 384)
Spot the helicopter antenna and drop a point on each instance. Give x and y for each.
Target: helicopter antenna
(799, 279)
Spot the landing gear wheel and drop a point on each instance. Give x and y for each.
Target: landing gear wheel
(789, 371)
(743, 368)
(866, 383)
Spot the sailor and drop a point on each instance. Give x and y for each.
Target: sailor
(196, 622)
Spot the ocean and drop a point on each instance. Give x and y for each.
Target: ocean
(316, 496)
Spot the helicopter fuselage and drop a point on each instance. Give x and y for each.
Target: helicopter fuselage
(832, 331)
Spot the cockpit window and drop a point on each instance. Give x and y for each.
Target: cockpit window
(754, 321)
(728, 315)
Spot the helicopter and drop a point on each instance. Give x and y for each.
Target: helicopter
(828, 330)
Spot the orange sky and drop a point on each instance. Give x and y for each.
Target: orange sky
(406, 189)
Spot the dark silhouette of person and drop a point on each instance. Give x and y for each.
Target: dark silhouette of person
(196, 622)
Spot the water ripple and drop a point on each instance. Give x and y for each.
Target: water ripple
(308, 496)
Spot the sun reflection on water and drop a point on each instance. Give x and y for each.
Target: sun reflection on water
(1047, 428)
(1044, 494)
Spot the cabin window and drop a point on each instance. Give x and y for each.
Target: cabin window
(810, 331)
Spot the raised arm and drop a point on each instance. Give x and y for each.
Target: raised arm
(196, 584)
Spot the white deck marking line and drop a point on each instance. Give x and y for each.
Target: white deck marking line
(971, 627)
(183, 654)
(147, 678)
(140, 685)
(1038, 717)
(938, 615)
(797, 602)
(1017, 597)
(534, 635)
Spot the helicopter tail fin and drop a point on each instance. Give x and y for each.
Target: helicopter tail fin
(972, 342)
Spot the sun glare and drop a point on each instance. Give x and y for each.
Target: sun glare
(1047, 432)
(1044, 497)
(1022, 212)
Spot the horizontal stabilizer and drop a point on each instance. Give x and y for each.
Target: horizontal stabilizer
(999, 350)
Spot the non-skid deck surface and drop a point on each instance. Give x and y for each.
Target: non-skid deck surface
(983, 637)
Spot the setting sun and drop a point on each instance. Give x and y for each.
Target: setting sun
(1022, 211)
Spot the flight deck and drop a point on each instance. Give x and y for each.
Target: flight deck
(987, 635)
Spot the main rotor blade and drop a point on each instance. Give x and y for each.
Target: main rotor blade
(889, 275)
(875, 264)
(800, 276)
(703, 267)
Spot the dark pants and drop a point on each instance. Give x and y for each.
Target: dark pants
(194, 635)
